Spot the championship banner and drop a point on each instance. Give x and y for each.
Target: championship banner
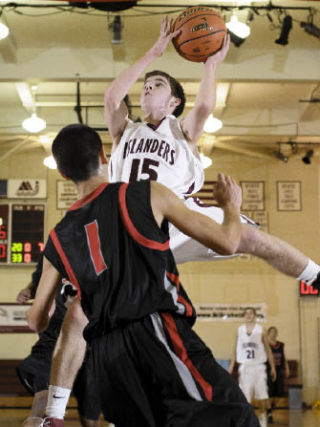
(13, 318)
(66, 194)
(220, 312)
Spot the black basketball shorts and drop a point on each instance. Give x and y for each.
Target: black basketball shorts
(157, 372)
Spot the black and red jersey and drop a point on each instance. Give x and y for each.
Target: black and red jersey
(110, 246)
(278, 354)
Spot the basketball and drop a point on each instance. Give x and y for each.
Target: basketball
(202, 33)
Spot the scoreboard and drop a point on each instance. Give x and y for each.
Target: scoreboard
(307, 290)
(21, 233)
(4, 216)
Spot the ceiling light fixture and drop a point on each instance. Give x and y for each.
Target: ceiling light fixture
(116, 28)
(235, 40)
(279, 155)
(285, 30)
(311, 29)
(34, 124)
(307, 158)
(239, 29)
(4, 31)
(212, 124)
(205, 161)
(294, 147)
(50, 162)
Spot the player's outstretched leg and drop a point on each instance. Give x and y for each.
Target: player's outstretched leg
(279, 254)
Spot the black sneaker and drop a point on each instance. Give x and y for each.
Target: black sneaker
(316, 282)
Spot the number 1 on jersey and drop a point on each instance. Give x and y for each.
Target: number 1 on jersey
(93, 239)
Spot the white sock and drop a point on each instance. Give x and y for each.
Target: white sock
(57, 401)
(263, 420)
(310, 272)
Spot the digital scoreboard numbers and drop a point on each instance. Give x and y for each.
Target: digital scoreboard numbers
(27, 227)
(307, 290)
(4, 216)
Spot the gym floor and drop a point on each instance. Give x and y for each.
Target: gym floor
(13, 410)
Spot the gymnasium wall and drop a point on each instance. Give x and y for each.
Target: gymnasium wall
(245, 280)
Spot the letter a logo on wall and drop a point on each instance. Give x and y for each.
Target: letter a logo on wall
(26, 189)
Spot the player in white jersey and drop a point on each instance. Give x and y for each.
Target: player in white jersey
(252, 351)
(165, 149)
(160, 154)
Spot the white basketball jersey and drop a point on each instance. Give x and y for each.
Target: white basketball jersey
(160, 154)
(250, 348)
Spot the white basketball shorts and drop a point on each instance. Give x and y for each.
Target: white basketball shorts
(253, 381)
(185, 249)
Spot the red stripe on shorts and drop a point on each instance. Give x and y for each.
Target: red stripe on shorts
(181, 352)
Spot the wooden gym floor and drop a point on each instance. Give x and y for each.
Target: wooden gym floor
(13, 410)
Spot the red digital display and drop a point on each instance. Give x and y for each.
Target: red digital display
(4, 215)
(306, 290)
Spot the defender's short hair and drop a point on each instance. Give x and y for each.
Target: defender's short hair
(176, 89)
(76, 150)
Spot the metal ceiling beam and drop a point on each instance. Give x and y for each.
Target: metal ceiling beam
(270, 6)
(239, 150)
(14, 149)
(26, 97)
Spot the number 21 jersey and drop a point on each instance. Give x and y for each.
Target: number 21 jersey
(250, 348)
(160, 154)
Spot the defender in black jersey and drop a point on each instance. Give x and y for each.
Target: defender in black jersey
(276, 388)
(113, 245)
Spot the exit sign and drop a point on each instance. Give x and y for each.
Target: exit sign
(307, 290)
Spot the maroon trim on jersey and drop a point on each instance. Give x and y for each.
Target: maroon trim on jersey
(155, 127)
(175, 279)
(181, 352)
(111, 168)
(198, 202)
(65, 261)
(92, 231)
(190, 189)
(134, 233)
(89, 197)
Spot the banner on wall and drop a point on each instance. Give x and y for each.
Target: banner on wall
(27, 188)
(13, 318)
(221, 312)
(253, 195)
(66, 194)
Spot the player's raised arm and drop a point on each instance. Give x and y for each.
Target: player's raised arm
(38, 314)
(194, 121)
(224, 238)
(115, 109)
